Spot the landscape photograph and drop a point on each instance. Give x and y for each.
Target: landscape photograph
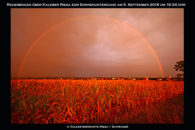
(97, 66)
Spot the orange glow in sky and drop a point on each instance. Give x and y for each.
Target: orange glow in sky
(69, 43)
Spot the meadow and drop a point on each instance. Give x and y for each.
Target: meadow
(55, 101)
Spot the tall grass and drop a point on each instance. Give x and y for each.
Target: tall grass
(85, 101)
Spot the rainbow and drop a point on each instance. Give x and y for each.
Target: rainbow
(90, 16)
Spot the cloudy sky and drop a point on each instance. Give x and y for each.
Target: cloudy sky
(96, 42)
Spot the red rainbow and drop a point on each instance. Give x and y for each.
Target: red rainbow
(90, 16)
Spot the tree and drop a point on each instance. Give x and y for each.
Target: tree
(179, 66)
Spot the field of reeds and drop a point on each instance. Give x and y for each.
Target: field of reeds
(48, 101)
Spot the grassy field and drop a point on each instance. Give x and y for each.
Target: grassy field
(96, 101)
(170, 111)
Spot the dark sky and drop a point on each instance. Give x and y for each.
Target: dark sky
(96, 42)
